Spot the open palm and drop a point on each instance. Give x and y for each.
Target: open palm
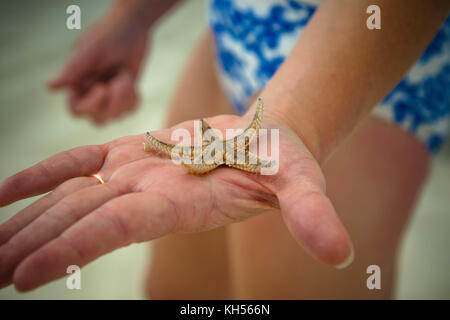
(147, 196)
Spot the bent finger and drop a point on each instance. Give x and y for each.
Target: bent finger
(122, 94)
(92, 102)
(80, 64)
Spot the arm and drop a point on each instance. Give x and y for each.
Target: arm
(339, 69)
(144, 12)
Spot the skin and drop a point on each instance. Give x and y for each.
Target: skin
(143, 200)
(100, 75)
(36, 247)
(258, 258)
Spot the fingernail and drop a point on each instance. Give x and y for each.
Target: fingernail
(347, 261)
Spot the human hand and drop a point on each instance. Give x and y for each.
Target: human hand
(146, 196)
(100, 76)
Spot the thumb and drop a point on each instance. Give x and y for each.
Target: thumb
(312, 220)
(80, 64)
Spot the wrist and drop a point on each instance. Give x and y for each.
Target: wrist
(283, 112)
(126, 14)
(305, 130)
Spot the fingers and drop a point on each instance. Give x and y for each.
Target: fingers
(52, 223)
(91, 103)
(119, 222)
(20, 220)
(312, 220)
(122, 94)
(81, 63)
(47, 174)
(105, 101)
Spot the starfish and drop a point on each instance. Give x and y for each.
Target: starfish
(223, 152)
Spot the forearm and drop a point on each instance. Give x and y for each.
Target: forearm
(339, 69)
(143, 13)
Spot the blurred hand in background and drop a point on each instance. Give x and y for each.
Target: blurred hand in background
(100, 75)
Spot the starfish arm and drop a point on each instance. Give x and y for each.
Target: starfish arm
(205, 128)
(156, 145)
(159, 146)
(199, 168)
(253, 168)
(253, 159)
(205, 125)
(251, 130)
(254, 164)
(236, 144)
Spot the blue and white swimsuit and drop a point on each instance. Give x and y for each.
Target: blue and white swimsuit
(253, 37)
